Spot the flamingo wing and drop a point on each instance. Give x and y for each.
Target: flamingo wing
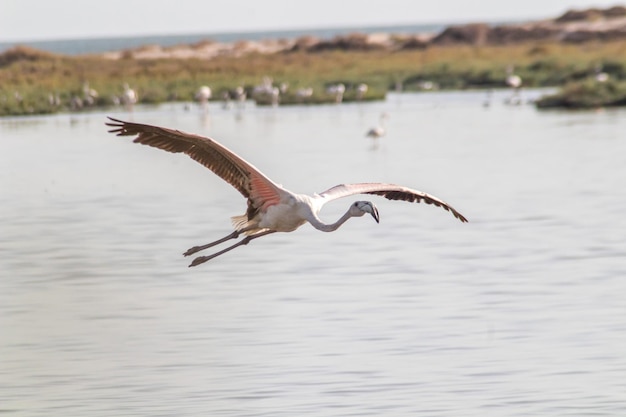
(391, 192)
(260, 191)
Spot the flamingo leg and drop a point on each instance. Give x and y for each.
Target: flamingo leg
(202, 259)
(191, 251)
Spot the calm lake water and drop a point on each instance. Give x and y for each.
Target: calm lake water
(520, 312)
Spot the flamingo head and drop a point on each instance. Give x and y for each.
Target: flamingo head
(359, 208)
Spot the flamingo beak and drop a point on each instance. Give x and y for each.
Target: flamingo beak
(374, 214)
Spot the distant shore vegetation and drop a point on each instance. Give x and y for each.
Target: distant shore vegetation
(590, 71)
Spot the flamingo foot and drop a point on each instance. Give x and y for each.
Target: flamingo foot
(200, 260)
(195, 249)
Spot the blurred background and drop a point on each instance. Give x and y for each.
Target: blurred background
(513, 116)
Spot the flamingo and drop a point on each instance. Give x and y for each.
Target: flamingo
(129, 97)
(600, 75)
(378, 131)
(515, 82)
(271, 208)
(266, 90)
(361, 89)
(203, 94)
(89, 94)
(275, 96)
(240, 96)
(337, 90)
(304, 93)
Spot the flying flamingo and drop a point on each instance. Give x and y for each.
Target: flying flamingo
(271, 208)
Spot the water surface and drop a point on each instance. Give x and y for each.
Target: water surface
(519, 312)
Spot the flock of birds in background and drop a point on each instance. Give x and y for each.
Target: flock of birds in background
(268, 90)
(270, 93)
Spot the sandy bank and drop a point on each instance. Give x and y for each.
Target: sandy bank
(575, 26)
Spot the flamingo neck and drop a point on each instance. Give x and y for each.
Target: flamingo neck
(319, 225)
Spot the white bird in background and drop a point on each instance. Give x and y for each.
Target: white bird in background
(268, 91)
(275, 96)
(271, 208)
(54, 99)
(600, 75)
(304, 93)
(380, 130)
(203, 95)
(89, 94)
(515, 82)
(337, 90)
(265, 88)
(361, 89)
(129, 97)
(240, 96)
(487, 100)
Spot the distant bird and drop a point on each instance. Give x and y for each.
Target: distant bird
(361, 89)
(487, 100)
(264, 88)
(129, 97)
(515, 82)
(267, 91)
(427, 85)
(240, 96)
(380, 130)
(304, 93)
(226, 99)
(600, 75)
(76, 103)
(275, 96)
(54, 99)
(337, 90)
(271, 208)
(89, 95)
(203, 95)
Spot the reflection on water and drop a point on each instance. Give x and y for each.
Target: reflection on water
(519, 312)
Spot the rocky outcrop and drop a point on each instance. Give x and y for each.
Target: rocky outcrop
(22, 53)
(503, 35)
(350, 42)
(575, 26)
(591, 14)
(581, 36)
(472, 34)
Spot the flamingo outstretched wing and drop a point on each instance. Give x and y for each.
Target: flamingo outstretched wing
(260, 191)
(391, 192)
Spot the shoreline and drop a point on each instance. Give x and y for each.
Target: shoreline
(574, 26)
(573, 48)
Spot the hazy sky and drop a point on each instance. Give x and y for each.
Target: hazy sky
(58, 19)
